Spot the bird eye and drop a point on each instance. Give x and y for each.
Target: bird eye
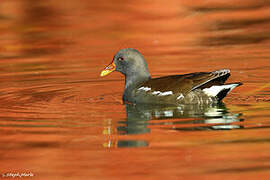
(120, 59)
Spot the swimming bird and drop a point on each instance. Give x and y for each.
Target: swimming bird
(192, 88)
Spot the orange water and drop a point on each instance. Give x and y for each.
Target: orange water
(60, 120)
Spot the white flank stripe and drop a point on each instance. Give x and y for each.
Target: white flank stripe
(166, 93)
(144, 88)
(156, 92)
(162, 93)
(214, 90)
(180, 96)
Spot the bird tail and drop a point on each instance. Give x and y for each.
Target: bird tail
(220, 91)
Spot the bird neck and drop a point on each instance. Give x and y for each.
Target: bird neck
(133, 80)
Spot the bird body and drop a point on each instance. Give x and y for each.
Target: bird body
(193, 88)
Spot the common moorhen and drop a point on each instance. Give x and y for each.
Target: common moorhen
(193, 88)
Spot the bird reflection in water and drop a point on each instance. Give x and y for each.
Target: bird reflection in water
(207, 117)
(141, 117)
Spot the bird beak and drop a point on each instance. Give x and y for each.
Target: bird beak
(110, 68)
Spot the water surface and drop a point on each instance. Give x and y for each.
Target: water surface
(60, 120)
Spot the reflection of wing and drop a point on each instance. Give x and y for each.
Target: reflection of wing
(187, 82)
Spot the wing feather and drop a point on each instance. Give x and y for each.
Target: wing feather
(187, 82)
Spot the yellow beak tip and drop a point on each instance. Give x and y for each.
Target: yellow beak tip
(105, 73)
(110, 68)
